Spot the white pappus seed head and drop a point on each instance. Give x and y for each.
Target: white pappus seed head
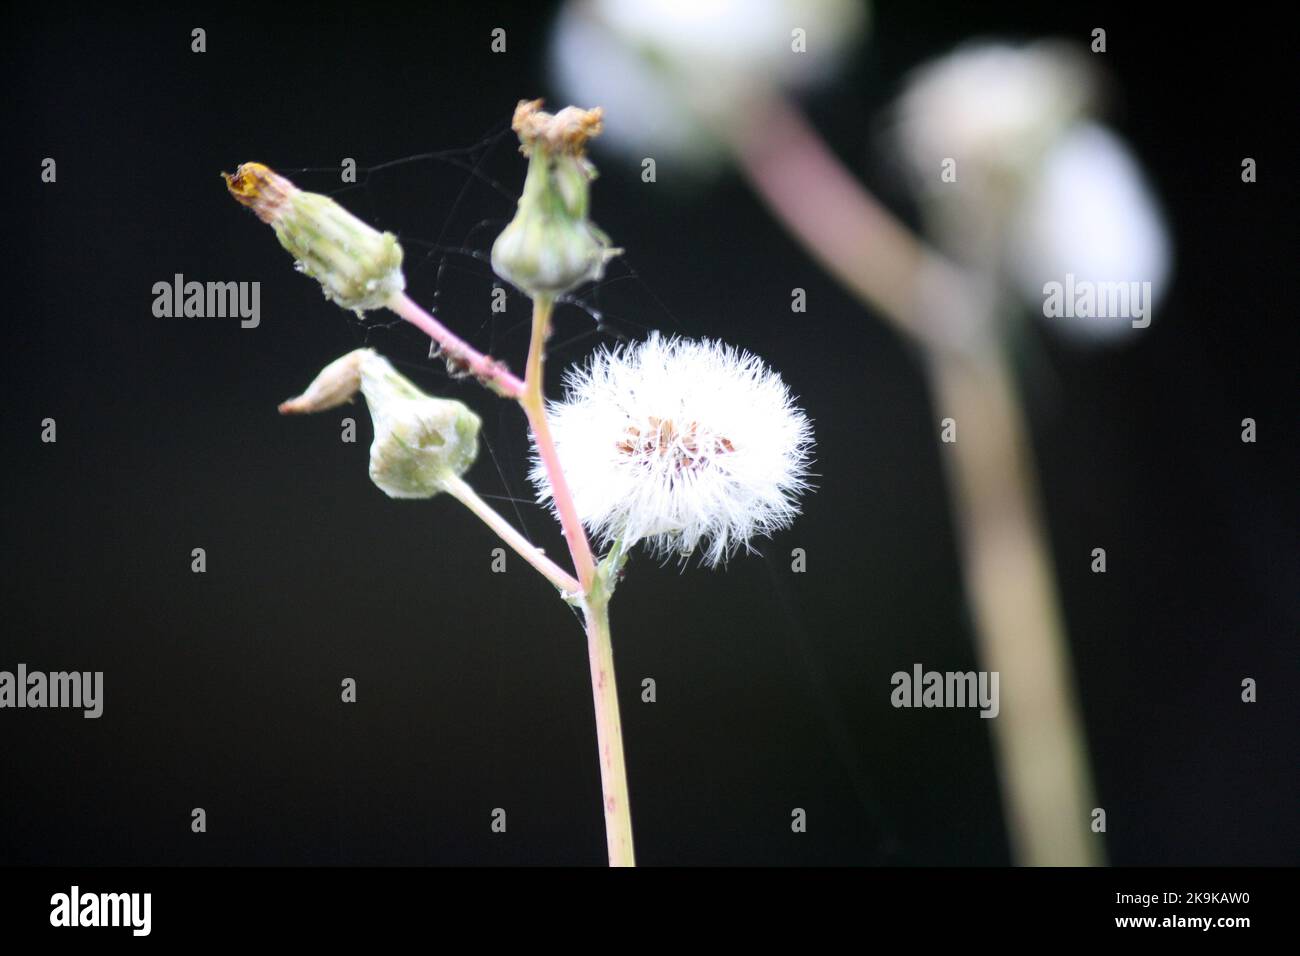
(686, 445)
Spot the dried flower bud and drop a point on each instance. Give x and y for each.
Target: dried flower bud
(420, 441)
(551, 246)
(359, 267)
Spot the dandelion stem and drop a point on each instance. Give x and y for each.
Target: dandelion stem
(596, 588)
(486, 369)
(609, 730)
(462, 492)
(535, 408)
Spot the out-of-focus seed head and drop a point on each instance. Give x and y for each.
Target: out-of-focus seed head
(675, 73)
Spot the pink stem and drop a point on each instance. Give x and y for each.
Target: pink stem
(535, 408)
(609, 733)
(459, 353)
(595, 604)
(528, 393)
(839, 223)
(506, 531)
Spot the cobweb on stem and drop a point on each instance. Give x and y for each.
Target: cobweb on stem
(449, 272)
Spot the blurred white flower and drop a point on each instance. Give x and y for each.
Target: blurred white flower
(1089, 215)
(668, 71)
(687, 445)
(1042, 193)
(993, 107)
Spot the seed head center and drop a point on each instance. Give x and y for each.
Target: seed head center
(685, 446)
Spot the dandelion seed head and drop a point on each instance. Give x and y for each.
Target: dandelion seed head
(690, 446)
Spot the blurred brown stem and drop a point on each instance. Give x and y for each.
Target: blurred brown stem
(1006, 566)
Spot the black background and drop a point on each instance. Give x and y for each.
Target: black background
(222, 689)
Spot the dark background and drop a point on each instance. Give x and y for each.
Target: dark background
(222, 689)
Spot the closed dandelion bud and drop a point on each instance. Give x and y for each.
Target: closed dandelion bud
(420, 441)
(550, 246)
(359, 267)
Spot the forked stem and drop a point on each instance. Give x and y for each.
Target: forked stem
(595, 604)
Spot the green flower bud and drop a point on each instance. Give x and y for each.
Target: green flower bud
(550, 246)
(420, 441)
(359, 267)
